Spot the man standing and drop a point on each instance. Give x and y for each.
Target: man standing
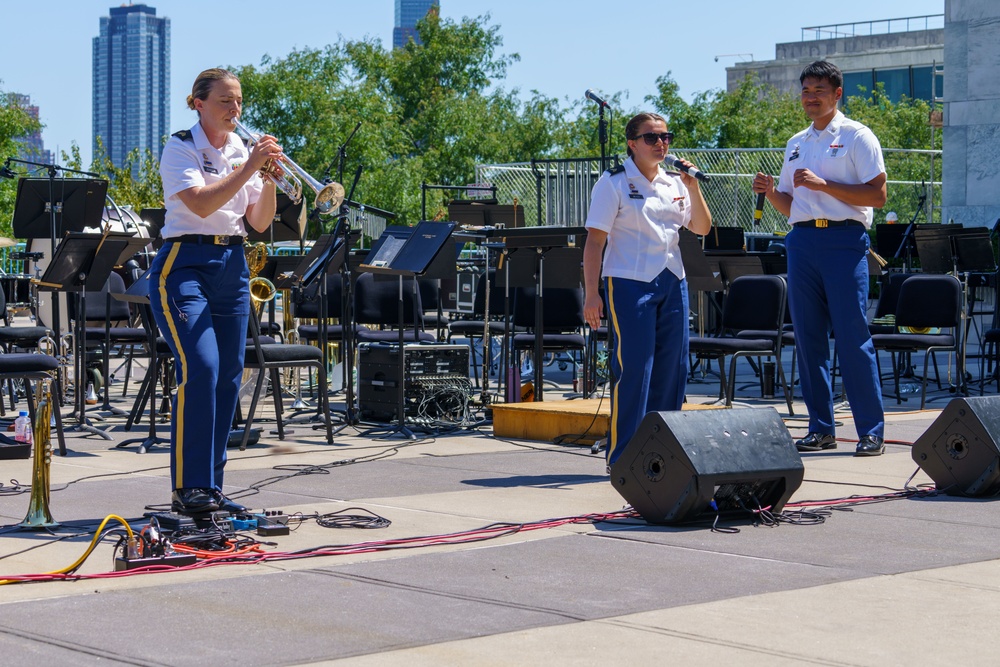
(832, 177)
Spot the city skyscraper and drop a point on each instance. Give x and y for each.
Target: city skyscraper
(131, 81)
(32, 147)
(408, 12)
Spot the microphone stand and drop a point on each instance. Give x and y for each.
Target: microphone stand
(904, 247)
(602, 133)
(904, 244)
(343, 230)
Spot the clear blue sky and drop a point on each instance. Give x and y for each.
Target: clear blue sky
(566, 46)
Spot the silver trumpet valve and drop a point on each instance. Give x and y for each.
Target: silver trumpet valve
(289, 177)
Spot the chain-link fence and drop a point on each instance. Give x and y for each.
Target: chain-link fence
(557, 192)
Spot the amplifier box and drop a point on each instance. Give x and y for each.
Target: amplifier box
(424, 366)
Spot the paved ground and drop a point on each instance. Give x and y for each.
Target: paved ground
(911, 580)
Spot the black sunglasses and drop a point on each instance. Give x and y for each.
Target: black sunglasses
(651, 137)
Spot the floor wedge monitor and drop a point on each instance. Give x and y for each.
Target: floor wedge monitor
(692, 465)
(959, 451)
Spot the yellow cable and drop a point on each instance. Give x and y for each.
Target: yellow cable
(90, 548)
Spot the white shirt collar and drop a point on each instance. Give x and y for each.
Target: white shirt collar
(202, 143)
(832, 127)
(632, 171)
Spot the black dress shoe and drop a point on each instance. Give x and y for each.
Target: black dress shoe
(815, 442)
(870, 445)
(227, 505)
(194, 501)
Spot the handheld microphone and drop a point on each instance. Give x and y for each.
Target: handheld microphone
(758, 211)
(675, 162)
(591, 95)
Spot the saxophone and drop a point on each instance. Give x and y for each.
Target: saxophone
(262, 290)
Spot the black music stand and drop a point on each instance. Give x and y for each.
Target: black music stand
(934, 247)
(154, 219)
(958, 251)
(700, 276)
(528, 258)
(83, 262)
(725, 238)
(416, 256)
(48, 208)
(479, 214)
(889, 239)
(328, 255)
(289, 223)
(973, 250)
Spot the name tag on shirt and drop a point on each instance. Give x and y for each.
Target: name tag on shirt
(635, 195)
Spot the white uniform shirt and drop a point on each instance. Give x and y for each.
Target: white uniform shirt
(188, 164)
(642, 219)
(844, 152)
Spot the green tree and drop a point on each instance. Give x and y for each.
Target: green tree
(754, 115)
(135, 182)
(906, 125)
(430, 112)
(691, 123)
(14, 123)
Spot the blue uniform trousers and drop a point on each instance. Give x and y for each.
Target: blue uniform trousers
(201, 302)
(648, 323)
(828, 291)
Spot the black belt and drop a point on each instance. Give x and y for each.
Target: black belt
(820, 223)
(208, 239)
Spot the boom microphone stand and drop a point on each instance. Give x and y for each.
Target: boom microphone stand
(602, 127)
(342, 230)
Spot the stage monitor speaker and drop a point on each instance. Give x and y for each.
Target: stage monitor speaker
(684, 466)
(959, 451)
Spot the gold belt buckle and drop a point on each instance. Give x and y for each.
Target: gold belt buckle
(223, 239)
(822, 223)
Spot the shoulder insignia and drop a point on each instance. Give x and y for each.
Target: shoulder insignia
(618, 169)
(184, 135)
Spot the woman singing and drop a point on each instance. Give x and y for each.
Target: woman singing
(636, 211)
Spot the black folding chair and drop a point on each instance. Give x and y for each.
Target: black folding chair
(752, 318)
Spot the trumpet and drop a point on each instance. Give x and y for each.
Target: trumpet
(288, 177)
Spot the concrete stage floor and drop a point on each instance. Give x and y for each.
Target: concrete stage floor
(899, 582)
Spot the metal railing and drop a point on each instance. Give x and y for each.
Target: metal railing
(878, 27)
(557, 192)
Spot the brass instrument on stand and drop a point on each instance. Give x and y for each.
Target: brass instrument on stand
(262, 290)
(293, 375)
(62, 353)
(39, 516)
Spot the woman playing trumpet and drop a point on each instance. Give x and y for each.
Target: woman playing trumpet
(199, 281)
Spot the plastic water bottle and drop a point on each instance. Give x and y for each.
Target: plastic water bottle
(22, 428)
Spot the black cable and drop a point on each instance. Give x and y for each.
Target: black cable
(341, 520)
(576, 438)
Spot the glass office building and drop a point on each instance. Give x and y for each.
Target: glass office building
(32, 148)
(408, 12)
(131, 81)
